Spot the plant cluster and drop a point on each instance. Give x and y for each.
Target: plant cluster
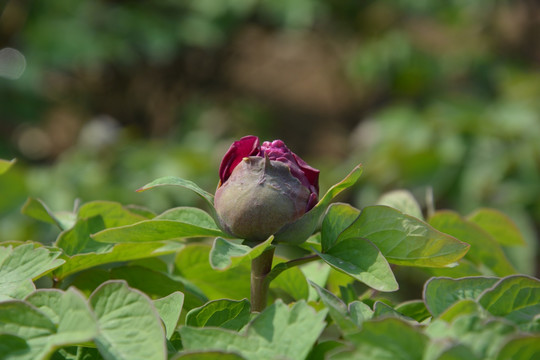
(121, 282)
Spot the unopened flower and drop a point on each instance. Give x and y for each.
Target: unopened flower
(262, 188)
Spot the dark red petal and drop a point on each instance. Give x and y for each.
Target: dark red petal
(311, 174)
(246, 146)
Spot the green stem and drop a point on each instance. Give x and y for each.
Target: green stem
(260, 268)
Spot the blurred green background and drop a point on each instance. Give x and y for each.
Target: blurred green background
(98, 98)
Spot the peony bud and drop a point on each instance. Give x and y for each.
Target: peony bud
(263, 188)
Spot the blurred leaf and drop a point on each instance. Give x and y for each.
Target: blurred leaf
(360, 259)
(169, 309)
(403, 239)
(224, 313)
(389, 338)
(6, 164)
(403, 201)
(226, 254)
(207, 355)
(20, 265)
(77, 240)
(440, 293)
(516, 298)
(484, 251)
(277, 332)
(460, 308)
(301, 229)
(521, 348)
(498, 225)
(129, 324)
(11, 344)
(338, 311)
(35, 208)
(415, 309)
(381, 309)
(338, 217)
(289, 286)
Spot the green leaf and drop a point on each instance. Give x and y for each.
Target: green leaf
(6, 164)
(130, 327)
(338, 217)
(338, 311)
(22, 264)
(498, 225)
(224, 313)
(189, 215)
(155, 230)
(388, 338)
(440, 293)
(301, 229)
(484, 249)
(208, 355)
(156, 284)
(460, 308)
(77, 240)
(457, 352)
(190, 185)
(482, 336)
(11, 344)
(169, 309)
(403, 239)
(290, 285)
(363, 261)
(279, 332)
(521, 348)
(403, 201)
(192, 263)
(516, 298)
(381, 309)
(36, 208)
(119, 252)
(48, 320)
(415, 309)
(360, 312)
(113, 213)
(226, 254)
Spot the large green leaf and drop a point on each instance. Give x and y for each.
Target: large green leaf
(48, 320)
(360, 259)
(11, 344)
(290, 285)
(226, 254)
(169, 309)
(516, 298)
(498, 225)
(77, 240)
(155, 230)
(224, 313)
(301, 229)
(130, 327)
(20, 265)
(388, 338)
(403, 239)
(6, 164)
(113, 213)
(119, 252)
(338, 217)
(279, 332)
(484, 251)
(440, 293)
(190, 185)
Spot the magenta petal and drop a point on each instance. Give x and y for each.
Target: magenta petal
(246, 146)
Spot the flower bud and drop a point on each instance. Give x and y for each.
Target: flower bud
(263, 188)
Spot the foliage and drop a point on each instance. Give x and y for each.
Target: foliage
(121, 282)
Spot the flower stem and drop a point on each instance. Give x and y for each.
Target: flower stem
(260, 268)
